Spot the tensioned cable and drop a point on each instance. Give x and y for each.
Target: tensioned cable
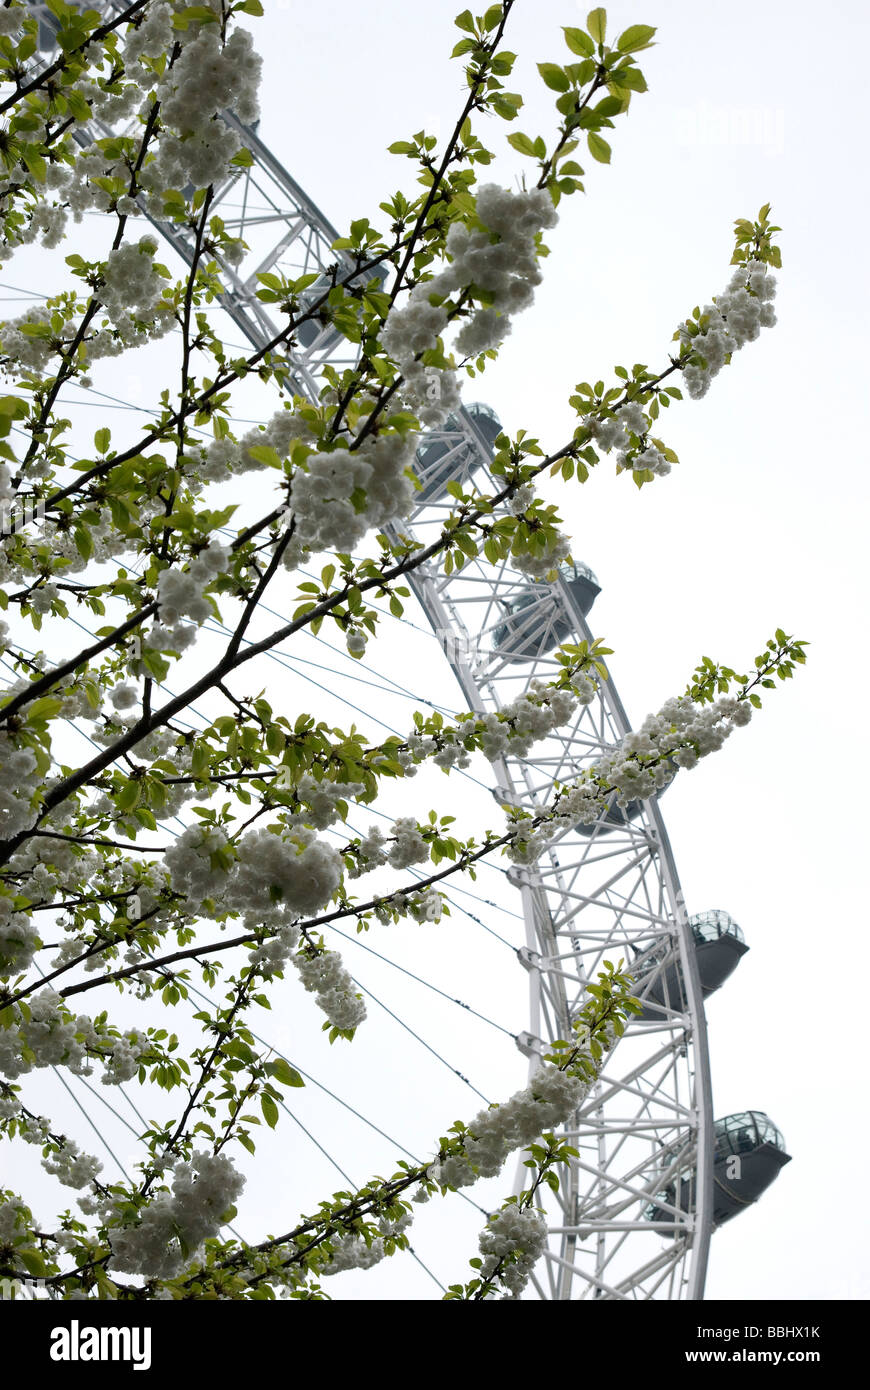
(133, 1130)
(86, 736)
(434, 1052)
(126, 406)
(94, 1126)
(422, 1041)
(428, 983)
(320, 1085)
(407, 1028)
(193, 989)
(455, 888)
(371, 809)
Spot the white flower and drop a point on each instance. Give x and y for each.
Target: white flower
(734, 319)
(202, 1192)
(124, 696)
(324, 975)
(538, 563)
(410, 847)
(512, 1243)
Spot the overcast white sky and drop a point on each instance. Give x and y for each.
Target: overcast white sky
(762, 525)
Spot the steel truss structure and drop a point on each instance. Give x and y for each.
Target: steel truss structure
(608, 892)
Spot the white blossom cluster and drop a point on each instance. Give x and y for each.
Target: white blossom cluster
(322, 799)
(9, 1107)
(513, 729)
(132, 284)
(19, 939)
(195, 146)
(732, 320)
(427, 906)
(15, 1217)
(532, 716)
(152, 37)
(350, 1251)
(521, 500)
(12, 19)
(272, 879)
(18, 784)
(409, 845)
(519, 1238)
(431, 392)
(616, 431)
(548, 1101)
(370, 852)
(507, 269)
(72, 1167)
(539, 563)
(182, 604)
(124, 696)
(680, 734)
(42, 868)
(324, 975)
(299, 872)
(21, 554)
(447, 751)
(49, 1034)
(343, 494)
(191, 146)
(132, 320)
(122, 1063)
(24, 351)
(271, 957)
(226, 456)
(203, 1190)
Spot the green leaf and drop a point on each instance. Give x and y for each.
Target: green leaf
(555, 77)
(102, 439)
(521, 142)
(84, 542)
(630, 77)
(128, 796)
(596, 23)
(46, 707)
(598, 148)
(579, 42)
(270, 1111)
(465, 21)
(32, 1261)
(283, 1072)
(637, 36)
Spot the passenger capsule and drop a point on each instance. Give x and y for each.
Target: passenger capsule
(534, 623)
(748, 1153)
(321, 330)
(446, 455)
(719, 945)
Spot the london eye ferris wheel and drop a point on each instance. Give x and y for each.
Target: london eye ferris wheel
(655, 1172)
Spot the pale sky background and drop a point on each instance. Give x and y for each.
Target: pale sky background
(762, 525)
